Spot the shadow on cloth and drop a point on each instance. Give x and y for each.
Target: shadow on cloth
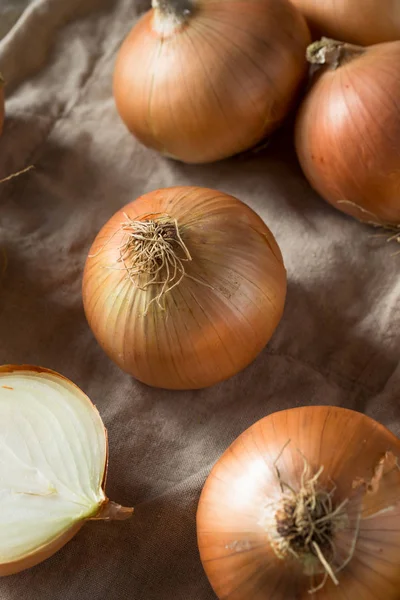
(123, 560)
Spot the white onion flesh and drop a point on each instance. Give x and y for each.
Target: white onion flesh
(53, 454)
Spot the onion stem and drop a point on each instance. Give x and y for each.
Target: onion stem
(179, 9)
(331, 52)
(111, 511)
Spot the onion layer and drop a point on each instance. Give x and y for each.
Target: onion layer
(202, 80)
(184, 287)
(348, 129)
(364, 22)
(306, 500)
(53, 459)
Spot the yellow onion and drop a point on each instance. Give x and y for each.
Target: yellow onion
(53, 462)
(184, 287)
(201, 80)
(348, 129)
(362, 22)
(305, 503)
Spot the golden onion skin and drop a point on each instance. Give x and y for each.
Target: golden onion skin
(219, 317)
(211, 83)
(234, 545)
(348, 134)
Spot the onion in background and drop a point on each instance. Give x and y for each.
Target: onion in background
(362, 22)
(348, 129)
(201, 80)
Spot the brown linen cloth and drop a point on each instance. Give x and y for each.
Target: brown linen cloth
(338, 342)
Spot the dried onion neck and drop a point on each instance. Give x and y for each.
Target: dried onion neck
(331, 52)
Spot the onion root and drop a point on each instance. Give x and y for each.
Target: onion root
(304, 523)
(153, 253)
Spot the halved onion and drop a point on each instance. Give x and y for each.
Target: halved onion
(53, 462)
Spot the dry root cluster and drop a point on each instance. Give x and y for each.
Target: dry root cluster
(153, 255)
(304, 522)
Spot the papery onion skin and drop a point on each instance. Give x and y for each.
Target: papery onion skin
(208, 331)
(44, 552)
(348, 134)
(364, 22)
(234, 546)
(211, 83)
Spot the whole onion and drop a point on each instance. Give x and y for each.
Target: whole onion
(348, 129)
(362, 22)
(305, 503)
(53, 464)
(184, 287)
(202, 80)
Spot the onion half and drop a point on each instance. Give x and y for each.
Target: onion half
(184, 287)
(306, 501)
(53, 461)
(201, 80)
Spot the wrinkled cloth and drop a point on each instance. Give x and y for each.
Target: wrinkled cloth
(338, 342)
